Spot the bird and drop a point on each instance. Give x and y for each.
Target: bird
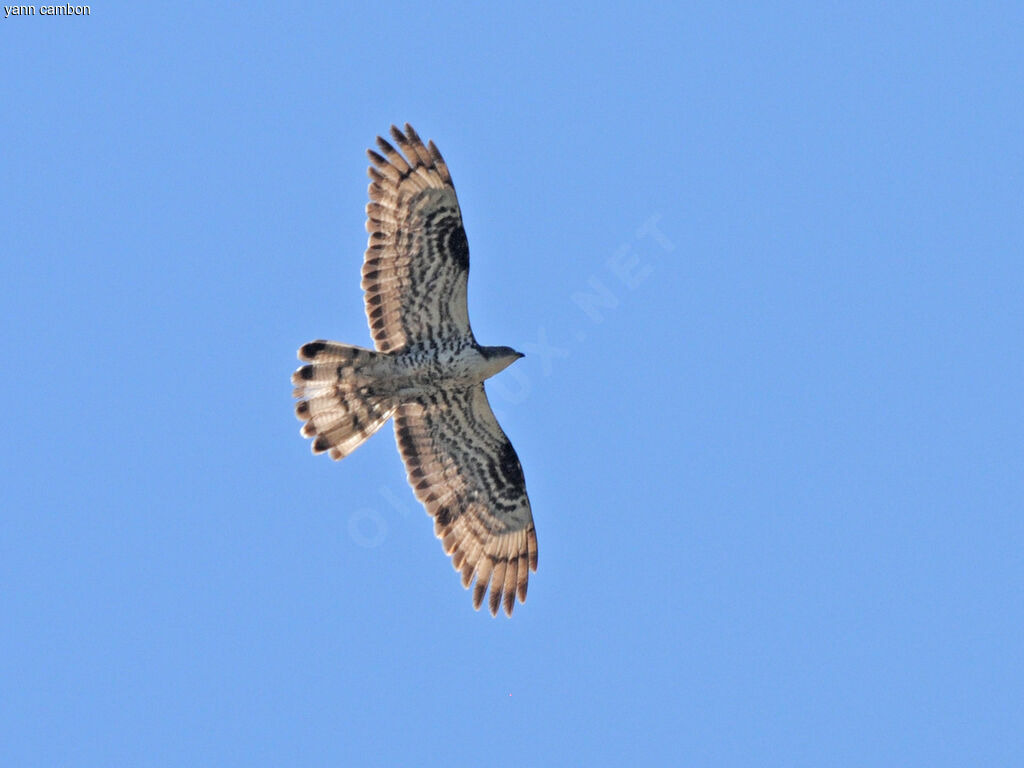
(426, 371)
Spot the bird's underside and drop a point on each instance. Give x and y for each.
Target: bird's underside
(427, 373)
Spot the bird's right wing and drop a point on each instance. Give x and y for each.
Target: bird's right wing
(417, 259)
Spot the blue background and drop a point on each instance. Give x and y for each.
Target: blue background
(776, 470)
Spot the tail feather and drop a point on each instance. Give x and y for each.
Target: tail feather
(337, 399)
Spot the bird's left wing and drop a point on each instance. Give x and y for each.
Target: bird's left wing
(465, 471)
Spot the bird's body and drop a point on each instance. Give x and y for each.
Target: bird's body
(428, 372)
(418, 371)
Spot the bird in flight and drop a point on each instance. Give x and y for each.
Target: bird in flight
(427, 372)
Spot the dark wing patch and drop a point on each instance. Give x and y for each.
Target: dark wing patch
(465, 471)
(417, 259)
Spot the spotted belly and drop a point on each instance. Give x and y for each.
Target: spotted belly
(419, 372)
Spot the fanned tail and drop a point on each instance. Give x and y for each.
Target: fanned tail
(338, 401)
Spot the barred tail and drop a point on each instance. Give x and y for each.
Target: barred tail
(337, 399)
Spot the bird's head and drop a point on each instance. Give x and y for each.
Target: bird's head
(499, 358)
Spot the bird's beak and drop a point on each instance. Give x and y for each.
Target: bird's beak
(519, 354)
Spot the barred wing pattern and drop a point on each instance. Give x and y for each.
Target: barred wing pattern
(459, 462)
(417, 257)
(465, 471)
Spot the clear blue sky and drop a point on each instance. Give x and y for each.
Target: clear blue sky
(777, 469)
